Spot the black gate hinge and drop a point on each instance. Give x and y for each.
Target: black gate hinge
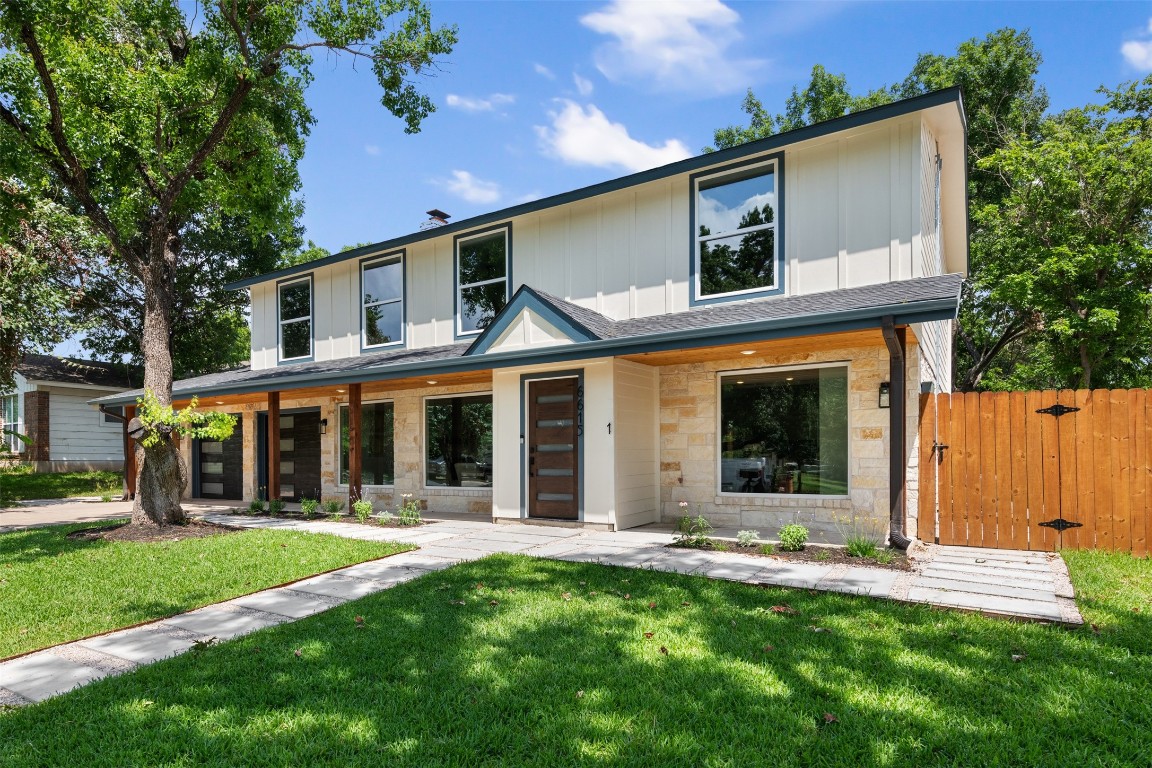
(1060, 524)
(1058, 410)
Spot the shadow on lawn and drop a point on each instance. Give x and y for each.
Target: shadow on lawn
(539, 680)
(32, 544)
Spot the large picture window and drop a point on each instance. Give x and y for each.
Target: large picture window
(377, 451)
(382, 301)
(784, 431)
(735, 227)
(458, 441)
(295, 308)
(481, 280)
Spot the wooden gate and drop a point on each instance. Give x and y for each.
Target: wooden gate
(1038, 470)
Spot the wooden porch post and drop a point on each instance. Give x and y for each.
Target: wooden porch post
(130, 456)
(355, 456)
(273, 446)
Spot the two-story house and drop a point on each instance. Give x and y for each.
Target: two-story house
(747, 331)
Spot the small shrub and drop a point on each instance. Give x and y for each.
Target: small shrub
(697, 534)
(767, 549)
(884, 557)
(256, 507)
(308, 507)
(106, 497)
(747, 538)
(408, 513)
(385, 517)
(276, 506)
(860, 546)
(335, 517)
(793, 537)
(684, 524)
(333, 507)
(362, 508)
(822, 555)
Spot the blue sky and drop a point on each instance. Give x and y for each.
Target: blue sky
(543, 97)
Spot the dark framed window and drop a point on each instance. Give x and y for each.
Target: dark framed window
(294, 302)
(785, 431)
(481, 279)
(382, 301)
(377, 447)
(108, 418)
(458, 441)
(735, 229)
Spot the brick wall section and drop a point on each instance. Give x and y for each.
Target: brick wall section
(36, 425)
(689, 410)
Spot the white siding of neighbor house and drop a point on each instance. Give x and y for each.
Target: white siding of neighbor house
(855, 214)
(76, 430)
(637, 430)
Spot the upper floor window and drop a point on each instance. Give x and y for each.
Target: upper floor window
(295, 307)
(481, 279)
(382, 301)
(737, 249)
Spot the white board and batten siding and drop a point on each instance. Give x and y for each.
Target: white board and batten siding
(636, 429)
(858, 204)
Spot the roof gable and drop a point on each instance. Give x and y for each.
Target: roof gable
(535, 319)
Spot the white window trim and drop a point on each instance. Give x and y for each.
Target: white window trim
(716, 180)
(339, 464)
(280, 322)
(790, 497)
(460, 287)
(365, 306)
(449, 489)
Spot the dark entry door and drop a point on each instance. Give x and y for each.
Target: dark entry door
(300, 455)
(554, 449)
(220, 465)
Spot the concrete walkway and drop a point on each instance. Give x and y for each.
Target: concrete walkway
(1024, 585)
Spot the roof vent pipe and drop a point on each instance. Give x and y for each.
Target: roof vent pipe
(894, 339)
(436, 218)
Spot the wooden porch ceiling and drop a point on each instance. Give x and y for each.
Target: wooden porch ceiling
(797, 345)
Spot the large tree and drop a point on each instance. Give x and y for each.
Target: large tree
(148, 126)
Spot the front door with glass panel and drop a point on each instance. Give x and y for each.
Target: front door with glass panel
(221, 466)
(554, 449)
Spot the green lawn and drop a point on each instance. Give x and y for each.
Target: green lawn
(21, 483)
(53, 590)
(521, 662)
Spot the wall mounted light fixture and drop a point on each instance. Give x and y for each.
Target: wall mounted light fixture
(885, 394)
(323, 426)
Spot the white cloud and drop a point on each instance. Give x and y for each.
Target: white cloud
(470, 104)
(675, 44)
(583, 85)
(543, 71)
(467, 187)
(372, 149)
(1138, 53)
(584, 136)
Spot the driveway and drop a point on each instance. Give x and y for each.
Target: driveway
(33, 514)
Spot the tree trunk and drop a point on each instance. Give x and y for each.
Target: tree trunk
(162, 472)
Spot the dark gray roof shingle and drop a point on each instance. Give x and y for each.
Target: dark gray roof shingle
(69, 370)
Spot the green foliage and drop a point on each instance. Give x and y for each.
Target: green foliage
(276, 506)
(256, 507)
(822, 555)
(767, 549)
(884, 556)
(747, 538)
(160, 420)
(308, 507)
(408, 512)
(333, 506)
(860, 546)
(793, 537)
(362, 509)
(696, 535)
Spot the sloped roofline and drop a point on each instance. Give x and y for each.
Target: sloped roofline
(942, 97)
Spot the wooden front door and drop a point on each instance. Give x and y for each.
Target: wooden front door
(554, 449)
(300, 455)
(220, 466)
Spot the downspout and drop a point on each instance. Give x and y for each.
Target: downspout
(894, 339)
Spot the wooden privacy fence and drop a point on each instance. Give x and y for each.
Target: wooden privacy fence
(1038, 470)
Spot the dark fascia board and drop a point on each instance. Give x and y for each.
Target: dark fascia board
(853, 120)
(749, 332)
(526, 298)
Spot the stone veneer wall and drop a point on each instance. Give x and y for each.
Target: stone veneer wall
(408, 441)
(689, 431)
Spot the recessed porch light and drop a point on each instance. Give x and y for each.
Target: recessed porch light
(219, 402)
(739, 381)
(748, 352)
(789, 378)
(431, 381)
(341, 391)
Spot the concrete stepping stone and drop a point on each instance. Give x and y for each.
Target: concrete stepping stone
(731, 569)
(42, 675)
(796, 575)
(223, 624)
(999, 589)
(284, 602)
(343, 587)
(873, 582)
(1009, 606)
(636, 558)
(142, 645)
(682, 560)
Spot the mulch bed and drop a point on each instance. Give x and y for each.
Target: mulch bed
(814, 553)
(193, 529)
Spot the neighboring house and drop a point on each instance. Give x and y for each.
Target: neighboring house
(50, 405)
(746, 332)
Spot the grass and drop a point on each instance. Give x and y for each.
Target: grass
(53, 590)
(523, 662)
(20, 483)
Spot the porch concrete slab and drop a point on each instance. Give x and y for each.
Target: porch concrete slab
(873, 582)
(334, 585)
(630, 537)
(490, 545)
(591, 552)
(223, 624)
(41, 675)
(988, 588)
(142, 645)
(555, 548)
(796, 575)
(990, 604)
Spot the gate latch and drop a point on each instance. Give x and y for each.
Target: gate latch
(1060, 524)
(938, 451)
(1058, 410)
